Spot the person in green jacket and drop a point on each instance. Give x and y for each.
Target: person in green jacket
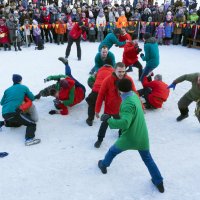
(151, 55)
(192, 95)
(14, 117)
(112, 38)
(134, 133)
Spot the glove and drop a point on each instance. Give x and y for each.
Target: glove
(173, 85)
(53, 112)
(105, 117)
(141, 55)
(46, 80)
(18, 110)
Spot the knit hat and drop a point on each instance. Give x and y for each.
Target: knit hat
(158, 77)
(147, 36)
(35, 22)
(16, 78)
(124, 85)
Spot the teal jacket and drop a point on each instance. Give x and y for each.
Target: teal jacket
(109, 40)
(132, 123)
(14, 96)
(151, 53)
(100, 63)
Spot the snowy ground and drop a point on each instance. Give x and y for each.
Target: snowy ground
(64, 165)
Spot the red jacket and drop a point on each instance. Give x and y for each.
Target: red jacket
(4, 34)
(102, 73)
(124, 37)
(130, 54)
(110, 95)
(76, 32)
(26, 104)
(159, 92)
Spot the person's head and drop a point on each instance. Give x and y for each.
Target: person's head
(117, 31)
(104, 51)
(124, 85)
(120, 70)
(64, 84)
(16, 78)
(158, 77)
(146, 36)
(123, 30)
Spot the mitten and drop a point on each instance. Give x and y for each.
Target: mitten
(105, 117)
(53, 112)
(173, 85)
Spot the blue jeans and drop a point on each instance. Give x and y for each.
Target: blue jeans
(146, 71)
(146, 157)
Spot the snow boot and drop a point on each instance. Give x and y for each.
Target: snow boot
(102, 168)
(97, 144)
(64, 60)
(181, 117)
(160, 187)
(89, 122)
(32, 141)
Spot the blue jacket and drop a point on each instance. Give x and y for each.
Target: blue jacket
(109, 40)
(13, 97)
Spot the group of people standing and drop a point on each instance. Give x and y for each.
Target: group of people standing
(110, 84)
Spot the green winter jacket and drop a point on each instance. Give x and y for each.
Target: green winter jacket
(133, 125)
(13, 97)
(99, 62)
(151, 53)
(194, 92)
(109, 40)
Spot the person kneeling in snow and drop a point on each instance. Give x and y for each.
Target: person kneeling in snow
(68, 91)
(154, 92)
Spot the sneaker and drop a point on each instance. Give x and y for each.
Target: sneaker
(64, 60)
(102, 168)
(97, 144)
(89, 122)
(37, 96)
(32, 141)
(181, 117)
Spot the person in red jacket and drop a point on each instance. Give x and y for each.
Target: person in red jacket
(130, 56)
(101, 74)
(75, 36)
(154, 92)
(4, 35)
(124, 36)
(109, 94)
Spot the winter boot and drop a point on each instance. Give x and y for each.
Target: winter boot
(97, 144)
(1, 124)
(89, 122)
(19, 48)
(181, 117)
(160, 187)
(3, 154)
(79, 59)
(9, 48)
(102, 168)
(64, 60)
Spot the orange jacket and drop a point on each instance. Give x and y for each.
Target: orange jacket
(110, 95)
(122, 22)
(60, 28)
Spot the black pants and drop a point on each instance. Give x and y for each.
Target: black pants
(91, 100)
(103, 128)
(139, 66)
(60, 38)
(145, 93)
(78, 45)
(16, 120)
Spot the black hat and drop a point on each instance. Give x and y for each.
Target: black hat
(80, 23)
(124, 85)
(117, 31)
(147, 36)
(16, 78)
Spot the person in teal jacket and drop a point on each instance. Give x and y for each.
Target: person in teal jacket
(110, 39)
(151, 55)
(14, 117)
(101, 57)
(134, 133)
